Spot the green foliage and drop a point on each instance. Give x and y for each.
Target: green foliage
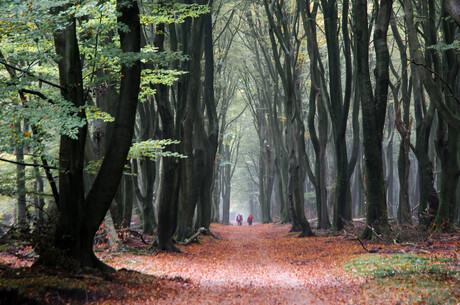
(151, 77)
(94, 113)
(152, 149)
(7, 182)
(171, 12)
(378, 266)
(442, 47)
(27, 42)
(93, 166)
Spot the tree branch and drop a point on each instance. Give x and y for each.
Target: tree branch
(30, 164)
(438, 77)
(30, 74)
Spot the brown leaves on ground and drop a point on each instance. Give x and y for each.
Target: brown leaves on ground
(259, 264)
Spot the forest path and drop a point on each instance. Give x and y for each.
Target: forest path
(259, 264)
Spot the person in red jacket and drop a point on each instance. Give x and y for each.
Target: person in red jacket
(250, 219)
(239, 219)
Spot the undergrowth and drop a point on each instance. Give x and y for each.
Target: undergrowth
(408, 278)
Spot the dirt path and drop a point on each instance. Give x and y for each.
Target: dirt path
(259, 264)
(248, 268)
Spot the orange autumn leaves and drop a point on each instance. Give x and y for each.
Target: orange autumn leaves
(264, 264)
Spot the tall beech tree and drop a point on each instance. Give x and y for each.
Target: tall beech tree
(190, 127)
(211, 134)
(373, 110)
(318, 97)
(80, 216)
(338, 106)
(283, 31)
(443, 95)
(169, 182)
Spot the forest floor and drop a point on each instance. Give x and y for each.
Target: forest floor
(259, 264)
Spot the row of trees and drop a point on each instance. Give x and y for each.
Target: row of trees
(95, 91)
(323, 50)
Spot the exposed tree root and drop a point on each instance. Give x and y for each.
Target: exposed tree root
(194, 237)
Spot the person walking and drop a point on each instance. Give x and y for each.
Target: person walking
(239, 219)
(250, 219)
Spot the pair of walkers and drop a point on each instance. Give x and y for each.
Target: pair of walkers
(239, 219)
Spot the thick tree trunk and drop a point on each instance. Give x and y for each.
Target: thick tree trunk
(211, 141)
(373, 109)
(191, 131)
(447, 148)
(79, 218)
(296, 179)
(338, 110)
(169, 172)
(266, 168)
(295, 128)
(73, 237)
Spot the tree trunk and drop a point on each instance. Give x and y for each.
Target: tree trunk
(21, 185)
(169, 172)
(211, 140)
(318, 100)
(373, 110)
(225, 185)
(79, 218)
(191, 130)
(338, 110)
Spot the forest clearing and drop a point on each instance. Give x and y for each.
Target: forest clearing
(259, 264)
